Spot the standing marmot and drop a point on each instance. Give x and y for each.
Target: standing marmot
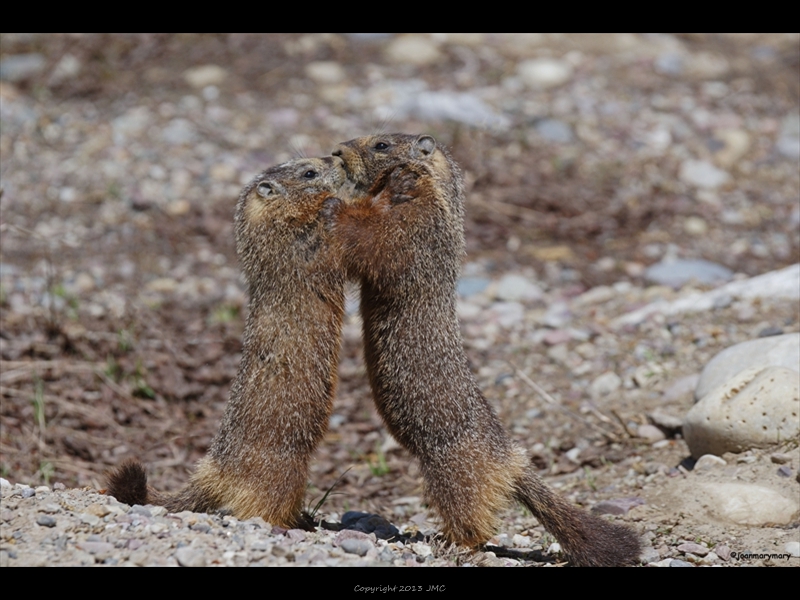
(402, 237)
(281, 400)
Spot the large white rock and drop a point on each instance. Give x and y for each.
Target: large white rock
(783, 283)
(774, 351)
(749, 504)
(755, 409)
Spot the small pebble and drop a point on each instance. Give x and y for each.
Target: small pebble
(680, 563)
(356, 546)
(138, 509)
(190, 557)
(693, 548)
(46, 521)
(724, 552)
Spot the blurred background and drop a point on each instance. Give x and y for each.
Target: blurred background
(588, 158)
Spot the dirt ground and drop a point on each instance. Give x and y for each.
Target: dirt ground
(121, 311)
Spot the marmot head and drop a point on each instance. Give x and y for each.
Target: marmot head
(404, 220)
(371, 159)
(278, 214)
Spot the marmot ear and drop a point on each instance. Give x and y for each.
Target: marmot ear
(264, 189)
(424, 146)
(268, 188)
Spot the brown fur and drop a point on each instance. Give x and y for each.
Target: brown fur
(281, 399)
(401, 236)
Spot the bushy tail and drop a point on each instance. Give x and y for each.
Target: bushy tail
(586, 540)
(128, 484)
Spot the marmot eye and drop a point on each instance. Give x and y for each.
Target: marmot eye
(310, 174)
(381, 146)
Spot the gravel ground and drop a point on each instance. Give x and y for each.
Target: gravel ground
(612, 182)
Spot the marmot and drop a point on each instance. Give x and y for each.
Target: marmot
(401, 235)
(281, 400)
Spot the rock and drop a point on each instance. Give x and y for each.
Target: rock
(356, 546)
(354, 542)
(788, 142)
(507, 314)
(702, 174)
(138, 509)
(735, 144)
(325, 71)
(770, 331)
(421, 549)
(521, 541)
(177, 208)
(605, 384)
(775, 351)
(660, 563)
(462, 107)
(783, 283)
(89, 519)
(516, 288)
(103, 548)
(749, 504)
(68, 67)
(649, 555)
(671, 426)
(46, 521)
(556, 336)
(708, 462)
(412, 49)
(164, 285)
(651, 433)
(792, 548)
(544, 73)
(190, 557)
(19, 67)
(779, 458)
(724, 552)
(597, 295)
(693, 548)
(470, 286)
(179, 132)
(680, 388)
(204, 75)
(707, 65)
(554, 130)
(695, 226)
(676, 273)
(756, 408)
(557, 315)
(489, 559)
(679, 563)
(669, 63)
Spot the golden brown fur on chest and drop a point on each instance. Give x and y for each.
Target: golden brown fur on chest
(403, 223)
